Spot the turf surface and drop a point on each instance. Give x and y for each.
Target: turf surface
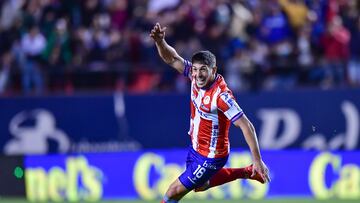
(214, 201)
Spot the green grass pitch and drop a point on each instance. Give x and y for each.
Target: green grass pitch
(213, 201)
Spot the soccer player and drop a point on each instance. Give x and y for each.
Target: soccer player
(213, 107)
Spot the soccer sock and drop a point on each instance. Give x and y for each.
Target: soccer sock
(226, 175)
(167, 200)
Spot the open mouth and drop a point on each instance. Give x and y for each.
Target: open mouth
(201, 81)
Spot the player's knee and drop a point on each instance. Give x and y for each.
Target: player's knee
(176, 192)
(203, 187)
(173, 192)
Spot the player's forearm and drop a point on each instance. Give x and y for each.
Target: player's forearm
(251, 140)
(167, 53)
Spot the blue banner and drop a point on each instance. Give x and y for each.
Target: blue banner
(326, 120)
(63, 124)
(147, 175)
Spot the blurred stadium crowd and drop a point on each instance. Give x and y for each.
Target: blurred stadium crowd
(50, 46)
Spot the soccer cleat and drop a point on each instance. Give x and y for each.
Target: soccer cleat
(257, 176)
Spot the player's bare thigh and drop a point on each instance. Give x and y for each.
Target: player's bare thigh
(176, 190)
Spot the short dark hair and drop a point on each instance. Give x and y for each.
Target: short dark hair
(204, 57)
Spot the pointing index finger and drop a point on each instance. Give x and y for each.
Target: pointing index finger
(158, 26)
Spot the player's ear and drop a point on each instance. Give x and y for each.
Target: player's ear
(214, 70)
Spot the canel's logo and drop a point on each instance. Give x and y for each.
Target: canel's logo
(76, 181)
(34, 139)
(273, 118)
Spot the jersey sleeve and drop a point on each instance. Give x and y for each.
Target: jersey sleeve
(187, 68)
(228, 105)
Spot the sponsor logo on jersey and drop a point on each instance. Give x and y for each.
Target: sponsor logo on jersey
(204, 107)
(199, 110)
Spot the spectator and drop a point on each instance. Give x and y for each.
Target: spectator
(89, 9)
(119, 14)
(239, 70)
(5, 71)
(11, 10)
(354, 63)
(32, 45)
(241, 17)
(259, 53)
(296, 11)
(336, 51)
(57, 51)
(274, 27)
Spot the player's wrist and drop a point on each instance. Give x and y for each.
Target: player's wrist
(256, 158)
(255, 154)
(159, 41)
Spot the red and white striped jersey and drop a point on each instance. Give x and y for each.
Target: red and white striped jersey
(212, 109)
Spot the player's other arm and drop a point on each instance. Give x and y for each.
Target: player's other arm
(251, 139)
(166, 52)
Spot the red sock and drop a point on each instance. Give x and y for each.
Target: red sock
(226, 175)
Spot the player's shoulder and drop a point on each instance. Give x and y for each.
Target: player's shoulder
(222, 86)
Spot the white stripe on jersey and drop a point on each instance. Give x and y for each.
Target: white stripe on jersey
(215, 125)
(196, 120)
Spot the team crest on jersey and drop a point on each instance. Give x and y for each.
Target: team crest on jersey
(207, 100)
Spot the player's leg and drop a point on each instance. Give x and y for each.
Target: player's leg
(175, 192)
(178, 189)
(198, 171)
(226, 175)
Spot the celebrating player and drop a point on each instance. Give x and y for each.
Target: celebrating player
(213, 107)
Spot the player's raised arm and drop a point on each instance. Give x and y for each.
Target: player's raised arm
(251, 139)
(166, 52)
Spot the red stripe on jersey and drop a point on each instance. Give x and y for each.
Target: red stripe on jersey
(192, 114)
(192, 109)
(222, 105)
(203, 137)
(222, 145)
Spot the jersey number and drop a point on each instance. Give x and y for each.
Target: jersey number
(199, 171)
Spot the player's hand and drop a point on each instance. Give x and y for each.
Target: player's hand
(158, 33)
(260, 168)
